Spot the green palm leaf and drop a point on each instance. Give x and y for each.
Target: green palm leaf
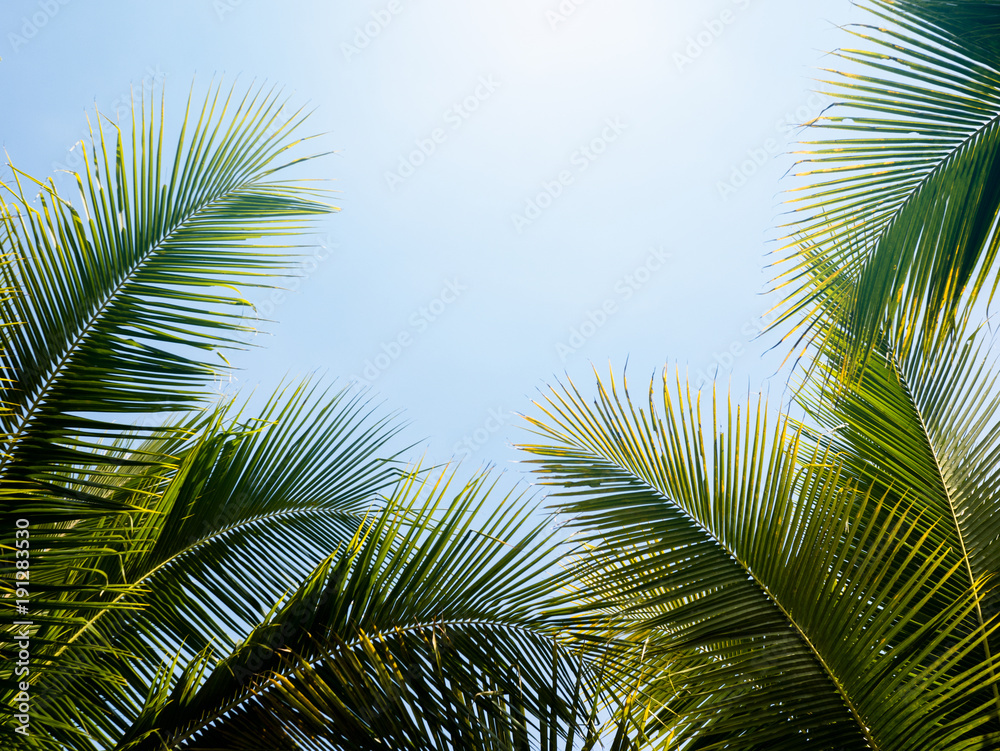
(906, 201)
(123, 292)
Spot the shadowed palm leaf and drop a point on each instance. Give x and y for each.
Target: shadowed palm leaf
(906, 202)
(426, 630)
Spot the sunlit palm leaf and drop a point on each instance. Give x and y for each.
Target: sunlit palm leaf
(125, 290)
(789, 607)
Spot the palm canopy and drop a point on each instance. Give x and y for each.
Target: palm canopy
(739, 578)
(281, 568)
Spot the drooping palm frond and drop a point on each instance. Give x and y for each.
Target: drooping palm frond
(906, 200)
(435, 625)
(774, 604)
(125, 292)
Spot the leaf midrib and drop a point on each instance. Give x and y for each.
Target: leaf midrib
(949, 498)
(841, 690)
(87, 326)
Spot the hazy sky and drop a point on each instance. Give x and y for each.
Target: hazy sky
(527, 187)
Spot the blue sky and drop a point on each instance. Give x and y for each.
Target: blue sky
(527, 187)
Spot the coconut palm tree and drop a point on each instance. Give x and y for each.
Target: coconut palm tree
(825, 575)
(207, 577)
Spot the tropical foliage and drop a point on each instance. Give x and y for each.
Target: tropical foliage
(820, 574)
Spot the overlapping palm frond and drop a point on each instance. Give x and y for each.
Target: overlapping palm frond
(906, 200)
(251, 508)
(921, 425)
(119, 297)
(774, 602)
(434, 627)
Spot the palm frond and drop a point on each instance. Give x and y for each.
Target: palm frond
(906, 201)
(124, 292)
